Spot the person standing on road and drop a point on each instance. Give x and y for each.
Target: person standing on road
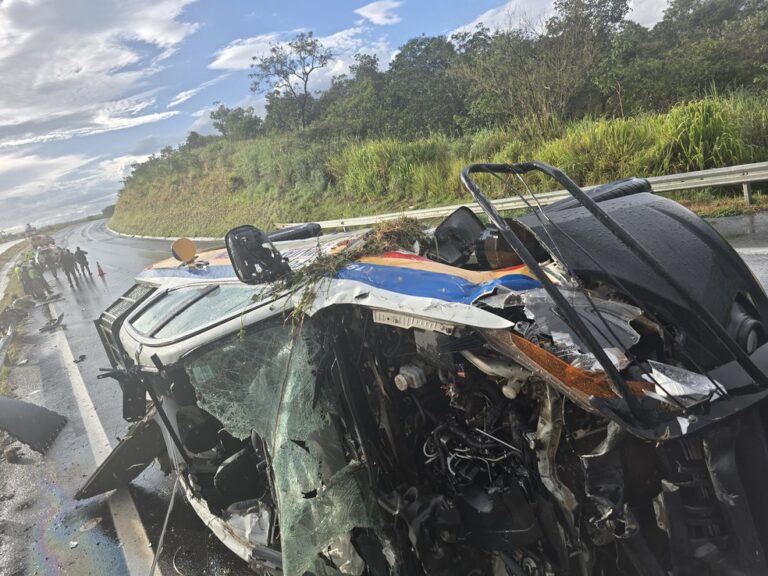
(82, 260)
(23, 275)
(40, 288)
(47, 260)
(68, 265)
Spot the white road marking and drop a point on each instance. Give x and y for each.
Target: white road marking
(130, 530)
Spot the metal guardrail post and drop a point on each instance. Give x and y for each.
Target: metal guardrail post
(747, 189)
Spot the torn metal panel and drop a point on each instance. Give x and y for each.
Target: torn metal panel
(330, 292)
(577, 384)
(35, 426)
(142, 444)
(681, 385)
(608, 320)
(258, 555)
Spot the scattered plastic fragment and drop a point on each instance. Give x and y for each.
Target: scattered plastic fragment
(33, 425)
(51, 325)
(90, 524)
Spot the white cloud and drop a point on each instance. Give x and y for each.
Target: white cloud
(71, 69)
(83, 68)
(97, 123)
(203, 123)
(533, 13)
(509, 15)
(115, 169)
(344, 44)
(381, 12)
(182, 97)
(238, 54)
(647, 12)
(22, 173)
(41, 189)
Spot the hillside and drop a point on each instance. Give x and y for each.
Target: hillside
(208, 188)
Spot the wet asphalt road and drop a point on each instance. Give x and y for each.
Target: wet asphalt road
(42, 530)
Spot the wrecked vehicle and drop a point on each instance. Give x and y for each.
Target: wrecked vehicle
(577, 391)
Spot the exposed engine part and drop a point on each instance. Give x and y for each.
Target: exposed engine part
(410, 376)
(497, 367)
(511, 389)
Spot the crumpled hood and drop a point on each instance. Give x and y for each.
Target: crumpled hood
(706, 265)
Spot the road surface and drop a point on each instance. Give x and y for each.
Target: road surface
(42, 530)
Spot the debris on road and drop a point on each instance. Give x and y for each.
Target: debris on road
(52, 324)
(12, 454)
(33, 425)
(90, 524)
(79, 359)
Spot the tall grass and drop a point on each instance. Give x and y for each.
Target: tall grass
(288, 178)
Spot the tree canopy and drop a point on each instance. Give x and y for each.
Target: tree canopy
(586, 60)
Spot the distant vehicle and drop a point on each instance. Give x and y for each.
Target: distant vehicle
(578, 391)
(39, 240)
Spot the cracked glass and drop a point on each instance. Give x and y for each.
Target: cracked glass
(266, 380)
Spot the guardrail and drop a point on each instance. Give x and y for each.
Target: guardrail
(744, 175)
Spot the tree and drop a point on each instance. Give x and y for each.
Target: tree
(421, 95)
(287, 69)
(354, 106)
(236, 123)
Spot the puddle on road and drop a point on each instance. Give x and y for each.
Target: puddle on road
(746, 228)
(52, 552)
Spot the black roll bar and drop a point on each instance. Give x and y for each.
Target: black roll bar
(618, 384)
(714, 327)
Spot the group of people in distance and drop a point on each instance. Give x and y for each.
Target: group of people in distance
(52, 259)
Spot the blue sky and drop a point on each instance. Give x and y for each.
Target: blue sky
(91, 86)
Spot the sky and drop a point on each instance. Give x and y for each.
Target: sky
(90, 87)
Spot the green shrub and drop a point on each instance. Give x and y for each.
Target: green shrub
(289, 178)
(595, 151)
(703, 134)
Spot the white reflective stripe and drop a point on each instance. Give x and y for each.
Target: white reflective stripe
(130, 530)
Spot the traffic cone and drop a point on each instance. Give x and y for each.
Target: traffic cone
(100, 271)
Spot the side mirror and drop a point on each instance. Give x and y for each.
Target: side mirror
(254, 257)
(134, 392)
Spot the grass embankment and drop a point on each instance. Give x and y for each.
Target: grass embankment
(13, 288)
(207, 190)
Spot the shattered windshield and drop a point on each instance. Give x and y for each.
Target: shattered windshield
(267, 380)
(185, 309)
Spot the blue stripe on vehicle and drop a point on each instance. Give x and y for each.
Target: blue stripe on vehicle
(392, 278)
(431, 284)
